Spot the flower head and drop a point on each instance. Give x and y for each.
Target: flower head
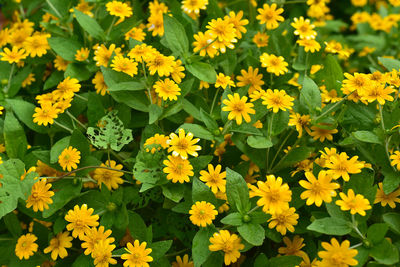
(138, 254)
(336, 254)
(274, 64)
(385, 199)
(354, 203)
(80, 219)
(277, 100)
(40, 196)
(252, 78)
(223, 81)
(167, 89)
(110, 178)
(99, 84)
(102, 253)
(37, 45)
(222, 29)
(69, 158)
(300, 122)
(26, 246)
(238, 108)
(283, 220)
(92, 236)
(270, 16)
(82, 54)
(161, 64)
(119, 9)
(303, 28)
(318, 190)
(214, 178)
(178, 169)
(183, 144)
(229, 243)
(45, 114)
(293, 247)
(194, 6)
(125, 65)
(183, 262)
(58, 245)
(13, 56)
(341, 166)
(202, 213)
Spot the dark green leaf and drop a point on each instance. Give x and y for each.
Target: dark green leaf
(237, 191)
(14, 137)
(367, 137)
(331, 226)
(57, 148)
(126, 86)
(154, 113)
(160, 248)
(197, 130)
(200, 245)
(390, 63)
(175, 35)
(64, 47)
(385, 253)
(252, 233)
(393, 220)
(24, 111)
(202, 192)
(203, 71)
(310, 95)
(89, 24)
(234, 219)
(376, 232)
(333, 73)
(209, 121)
(259, 141)
(284, 261)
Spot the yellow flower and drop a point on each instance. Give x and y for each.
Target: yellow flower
(4, 36)
(274, 64)
(277, 99)
(354, 203)
(40, 196)
(292, 247)
(18, 37)
(303, 28)
(26, 246)
(156, 24)
(359, 2)
(229, 243)
(167, 89)
(194, 6)
(203, 44)
(300, 122)
(178, 73)
(82, 54)
(183, 262)
(274, 196)
(138, 255)
(395, 159)
(58, 245)
(336, 254)
(252, 78)
(161, 64)
(60, 64)
(80, 219)
(142, 52)
(315, 68)
(125, 65)
(67, 88)
(223, 81)
(45, 114)
(202, 213)
(119, 9)
(28, 80)
(283, 220)
(261, 39)
(182, 145)
(94, 235)
(386, 199)
(37, 44)
(178, 169)
(84, 7)
(270, 16)
(135, 33)
(102, 254)
(238, 22)
(238, 108)
(111, 179)
(341, 166)
(69, 158)
(214, 178)
(322, 133)
(222, 30)
(377, 91)
(310, 45)
(318, 190)
(13, 56)
(102, 55)
(158, 139)
(99, 84)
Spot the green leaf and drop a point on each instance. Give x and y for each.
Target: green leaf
(154, 113)
(333, 73)
(173, 192)
(80, 142)
(280, 122)
(376, 232)
(197, 130)
(200, 245)
(64, 47)
(57, 148)
(203, 71)
(83, 261)
(284, 261)
(259, 141)
(160, 248)
(331, 226)
(65, 191)
(391, 181)
(113, 133)
(261, 260)
(126, 86)
(24, 111)
(367, 137)
(13, 225)
(310, 95)
(295, 155)
(191, 109)
(252, 233)
(201, 192)
(385, 253)
(234, 219)
(390, 63)
(393, 220)
(237, 191)
(78, 71)
(137, 227)
(175, 35)
(136, 100)
(200, 162)
(14, 137)
(12, 188)
(89, 24)
(209, 121)
(259, 217)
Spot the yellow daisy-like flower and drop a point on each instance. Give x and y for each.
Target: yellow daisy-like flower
(26, 246)
(252, 78)
(321, 133)
(102, 54)
(125, 65)
(183, 144)
(283, 220)
(45, 114)
(274, 196)
(58, 245)
(178, 73)
(274, 64)
(178, 169)
(69, 158)
(395, 159)
(94, 235)
(318, 190)
(142, 53)
(293, 248)
(102, 254)
(194, 6)
(377, 91)
(158, 139)
(387, 199)
(99, 84)
(60, 64)
(223, 81)
(341, 166)
(161, 64)
(80, 219)
(40, 196)
(222, 30)
(261, 39)
(300, 122)
(82, 54)
(354, 203)
(202, 213)
(229, 243)
(183, 262)
(277, 99)
(202, 44)
(119, 9)
(270, 16)
(238, 22)
(13, 56)
(110, 178)
(303, 28)
(28, 80)
(67, 88)
(156, 24)
(37, 45)
(310, 45)
(238, 108)
(336, 254)
(138, 254)
(214, 178)
(135, 33)
(167, 89)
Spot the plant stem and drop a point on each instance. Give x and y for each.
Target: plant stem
(281, 146)
(9, 78)
(356, 246)
(112, 24)
(387, 139)
(147, 87)
(226, 127)
(54, 8)
(269, 137)
(354, 222)
(176, 253)
(253, 209)
(214, 100)
(295, 2)
(90, 167)
(284, 157)
(81, 97)
(62, 126)
(75, 119)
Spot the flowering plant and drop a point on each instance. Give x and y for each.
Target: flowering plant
(199, 133)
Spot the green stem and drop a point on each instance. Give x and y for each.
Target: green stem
(387, 139)
(271, 80)
(305, 70)
(54, 8)
(253, 209)
(21, 9)
(9, 78)
(226, 127)
(112, 24)
(295, 2)
(176, 253)
(354, 224)
(75, 119)
(356, 246)
(284, 157)
(62, 126)
(214, 100)
(147, 87)
(280, 147)
(330, 109)
(81, 97)
(269, 137)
